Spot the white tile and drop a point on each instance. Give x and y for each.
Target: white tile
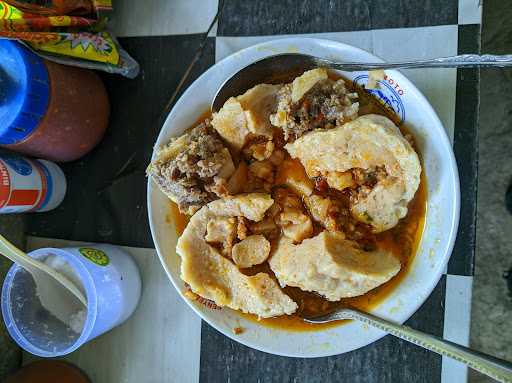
(160, 342)
(457, 318)
(470, 11)
(229, 45)
(162, 17)
(437, 85)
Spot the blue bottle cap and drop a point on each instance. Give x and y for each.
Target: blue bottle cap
(24, 91)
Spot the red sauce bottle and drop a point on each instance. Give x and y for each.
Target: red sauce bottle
(48, 110)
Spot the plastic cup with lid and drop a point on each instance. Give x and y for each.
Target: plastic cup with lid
(106, 274)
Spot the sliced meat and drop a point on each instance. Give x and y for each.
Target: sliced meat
(190, 168)
(332, 266)
(303, 84)
(313, 101)
(214, 277)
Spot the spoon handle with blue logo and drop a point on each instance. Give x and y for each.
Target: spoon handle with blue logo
(461, 61)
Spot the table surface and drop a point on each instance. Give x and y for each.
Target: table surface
(106, 199)
(160, 342)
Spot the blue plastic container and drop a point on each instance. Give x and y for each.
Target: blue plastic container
(48, 110)
(110, 279)
(24, 91)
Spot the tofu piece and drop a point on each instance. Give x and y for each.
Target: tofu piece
(253, 250)
(295, 224)
(247, 116)
(258, 103)
(242, 231)
(267, 300)
(277, 157)
(340, 181)
(221, 229)
(238, 179)
(231, 124)
(263, 150)
(214, 277)
(228, 168)
(251, 206)
(318, 207)
(379, 208)
(292, 174)
(265, 226)
(374, 76)
(332, 266)
(262, 169)
(368, 142)
(302, 84)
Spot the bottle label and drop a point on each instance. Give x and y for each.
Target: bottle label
(95, 256)
(24, 185)
(46, 185)
(5, 185)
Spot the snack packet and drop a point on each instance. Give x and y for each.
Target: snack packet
(71, 32)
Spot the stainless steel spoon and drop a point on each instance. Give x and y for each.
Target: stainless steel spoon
(498, 369)
(285, 67)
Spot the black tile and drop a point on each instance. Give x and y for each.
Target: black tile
(269, 17)
(95, 208)
(387, 360)
(465, 146)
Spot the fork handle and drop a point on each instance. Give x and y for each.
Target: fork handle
(460, 61)
(496, 368)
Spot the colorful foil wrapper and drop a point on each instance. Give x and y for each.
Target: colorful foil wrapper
(70, 32)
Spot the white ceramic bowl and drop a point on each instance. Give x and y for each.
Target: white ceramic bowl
(441, 220)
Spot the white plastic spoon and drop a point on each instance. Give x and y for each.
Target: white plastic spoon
(48, 281)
